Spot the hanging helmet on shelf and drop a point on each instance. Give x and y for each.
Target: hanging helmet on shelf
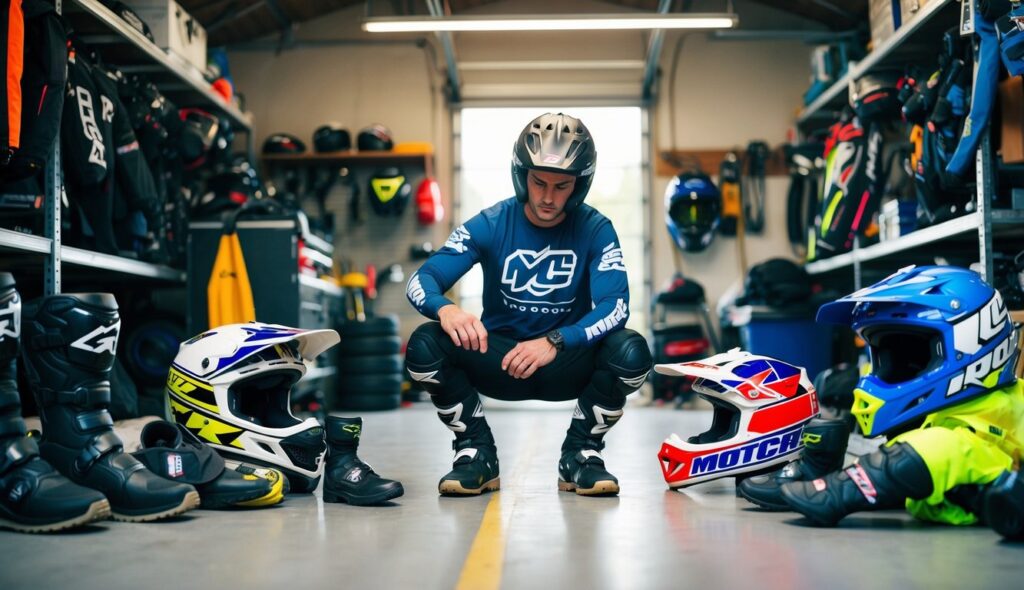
(283, 143)
(331, 137)
(555, 143)
(199, 129)
(761, 406)
(693, 209)
(376, 137)
(231, 387)
(936, 336)
(389, 192)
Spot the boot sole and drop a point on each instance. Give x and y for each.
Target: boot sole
(601, 488)
(783, 507)
(364, 500)
(451, 487)
(190, 501)
(98, 510)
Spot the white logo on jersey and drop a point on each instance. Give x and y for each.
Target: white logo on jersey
(616, 317)
(611, 259)
(108, 109)
(414, 291)
(455, 240)
(539, 273)
(102, 339)
(97, 154)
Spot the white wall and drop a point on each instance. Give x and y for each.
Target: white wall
(727, 93)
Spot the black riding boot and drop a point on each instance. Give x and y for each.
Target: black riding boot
(581, 468)
(883, 479)
(347, 478)
(69, 350)
(34, 498)
(824, 451)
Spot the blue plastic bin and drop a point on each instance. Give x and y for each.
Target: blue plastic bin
(792, 337)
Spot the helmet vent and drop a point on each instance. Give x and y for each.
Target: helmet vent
(573, 148)
(550, 127)
(565, 129)
(531, 143)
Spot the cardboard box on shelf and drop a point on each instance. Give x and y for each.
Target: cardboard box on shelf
(173, 29)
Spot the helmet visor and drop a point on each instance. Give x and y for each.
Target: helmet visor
(687, 213)
(902, 353)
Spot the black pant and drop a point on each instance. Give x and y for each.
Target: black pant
(613, 368)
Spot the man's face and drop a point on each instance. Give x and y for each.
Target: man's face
(548, 193)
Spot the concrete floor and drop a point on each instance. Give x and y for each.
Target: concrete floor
(532, 535)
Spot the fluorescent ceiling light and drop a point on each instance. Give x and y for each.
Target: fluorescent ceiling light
(564, 22)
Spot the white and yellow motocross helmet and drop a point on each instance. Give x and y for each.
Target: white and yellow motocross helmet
(231, 386)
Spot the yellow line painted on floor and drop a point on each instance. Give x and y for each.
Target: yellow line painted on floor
(482, 569)
(486, 557)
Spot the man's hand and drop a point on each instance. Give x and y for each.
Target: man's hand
(523, 361)
(464, 328)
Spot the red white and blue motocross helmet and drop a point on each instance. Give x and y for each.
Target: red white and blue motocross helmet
(761, 406)
(936, 335)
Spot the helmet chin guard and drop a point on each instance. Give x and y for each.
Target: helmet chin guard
(761, 406)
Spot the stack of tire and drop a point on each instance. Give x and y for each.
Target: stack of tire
(369, 364)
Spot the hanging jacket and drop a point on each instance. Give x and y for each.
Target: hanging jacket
(39, 99)
(11, 60)
(87, 140)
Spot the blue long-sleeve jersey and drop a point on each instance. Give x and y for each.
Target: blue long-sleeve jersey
(569, 277)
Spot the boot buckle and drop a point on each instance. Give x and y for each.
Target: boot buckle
(95, 449)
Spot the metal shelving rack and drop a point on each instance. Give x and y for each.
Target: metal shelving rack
(910, 40)
(173, 76)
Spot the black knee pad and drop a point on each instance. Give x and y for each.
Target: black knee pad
(626, 355)
(425, 355)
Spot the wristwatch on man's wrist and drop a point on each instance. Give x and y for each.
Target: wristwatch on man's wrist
(556, 339)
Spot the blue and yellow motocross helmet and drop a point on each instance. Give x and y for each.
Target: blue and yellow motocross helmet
(936, 335)
(693, 210)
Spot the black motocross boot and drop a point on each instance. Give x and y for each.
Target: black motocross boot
(68, 353)
(1003, 505)
(581, 468)
(475, 467)
(34, 498)
(824, 451)
(883, 479)
(347, 478)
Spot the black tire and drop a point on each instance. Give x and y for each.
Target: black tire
(366, 384)
(382, 325)
(391, 364)
(371, 346)
(369, 403)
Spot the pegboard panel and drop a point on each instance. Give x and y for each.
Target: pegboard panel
(381, 241)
